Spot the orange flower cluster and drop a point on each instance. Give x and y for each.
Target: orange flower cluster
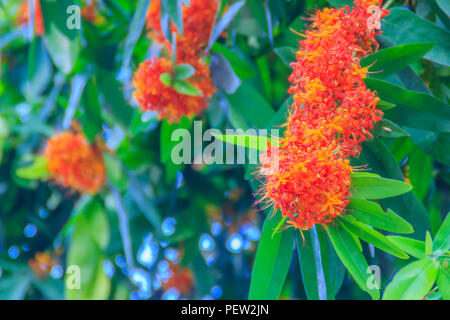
(151, 94)
(89, 11)
(23, 16)
(181, 279)
(74, 163)
(333, 112)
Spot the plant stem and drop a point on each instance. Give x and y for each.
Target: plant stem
(321, 283)
(388, 4)
(123, 227)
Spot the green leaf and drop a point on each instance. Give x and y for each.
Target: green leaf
(247, 141)
(166, 142)
(351, 257)
(183, 71)
(384, 105)
(36, 171)
(412, 282)
(251, 106)
(91, 117)
(186, 88)
(443, 281)
(376, 156)
(85, 254)
(114, 171)
(442, 237)
(420, 172)
(333, 269)
(412, 247)
(404, 26)
(286, 54)
(372, 214)
(97, 223)
(391, 60)
(428, 244)
(435, 113)
(63, 43)
(388, 129)
(377, 188)
(166, 79)
(272, 261)
(372, 236)
(112, 91)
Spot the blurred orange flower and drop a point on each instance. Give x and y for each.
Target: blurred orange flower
(74, 163)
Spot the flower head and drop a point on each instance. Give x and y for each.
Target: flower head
(153, 95)
(74, 163)
(332, 114)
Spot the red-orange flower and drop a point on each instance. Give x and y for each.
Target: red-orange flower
(23, 16)
(153, 95)
(198, 20)
(89, 11)
(74, 163)
(180, 279)
(332, 114)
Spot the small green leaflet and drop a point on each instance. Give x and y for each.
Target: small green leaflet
(35, 171)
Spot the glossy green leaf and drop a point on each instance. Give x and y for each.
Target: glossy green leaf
(372, 214)
(377, 188)
(166, 79)
(442, 237)
(186, 88)
(435, 113)
(351, 257)
(183, 71)
(86, 256)
(412, 247)
(412, 282)
(372, 236)
(403, 26)
(384, 105)
(391, 60)
(251, 106)
(272, 261)
(377, 157)
(91, 117)
(443, 280)
(388, 129)
(420, 172)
